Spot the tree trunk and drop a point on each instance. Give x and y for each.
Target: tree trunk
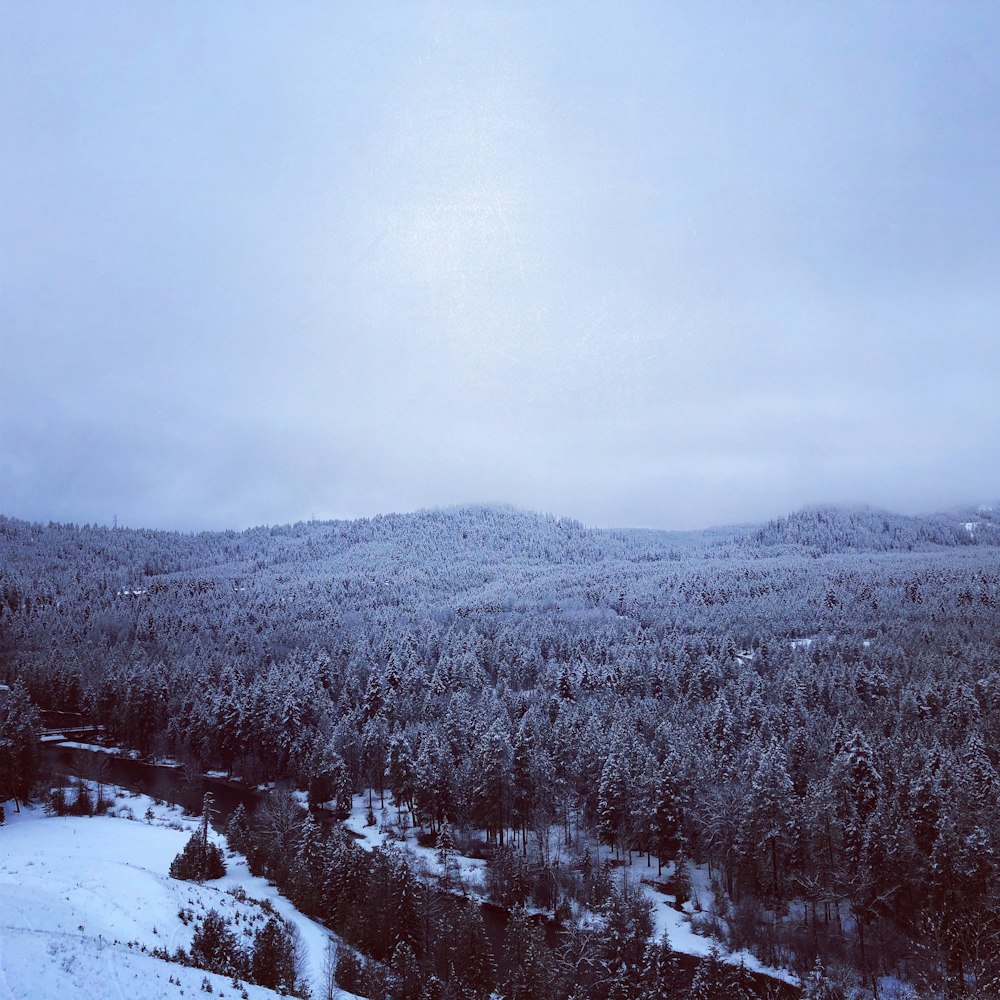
(774, 871)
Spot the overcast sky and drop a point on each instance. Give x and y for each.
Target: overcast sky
(642, 264)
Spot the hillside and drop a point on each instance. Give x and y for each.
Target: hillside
(838, 529)
(86, 900)
(462, 535)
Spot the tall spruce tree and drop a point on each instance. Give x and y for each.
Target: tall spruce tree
(19, 754)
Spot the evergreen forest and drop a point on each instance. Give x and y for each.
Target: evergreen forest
(795, 726)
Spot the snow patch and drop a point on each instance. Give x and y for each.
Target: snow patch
(388, 830)
(681, 926)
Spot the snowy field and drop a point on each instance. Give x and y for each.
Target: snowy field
(81, 898)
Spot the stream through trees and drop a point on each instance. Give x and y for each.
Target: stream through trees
(175, 785)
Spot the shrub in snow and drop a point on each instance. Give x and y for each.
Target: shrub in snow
(214, 947)
(56, 802)
(84, 805)
(199, 861)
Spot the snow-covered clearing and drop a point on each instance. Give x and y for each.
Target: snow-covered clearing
(80, 898)
(388, 831)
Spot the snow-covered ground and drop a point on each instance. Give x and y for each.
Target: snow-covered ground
(388, 831)
(83, 900)
(679, 925)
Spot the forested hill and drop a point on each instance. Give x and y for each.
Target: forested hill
(839, 529)
(812, 707)
(478, 534)
(316, 583)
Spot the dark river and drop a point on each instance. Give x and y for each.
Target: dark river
(166, 783)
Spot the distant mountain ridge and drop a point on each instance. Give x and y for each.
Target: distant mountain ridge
(470, 535)
(830, 528)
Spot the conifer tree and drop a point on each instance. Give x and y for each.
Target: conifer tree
(200, 860)
(272, 961)
(305, 873)
(659, 979)
(523, 787)
(712, 979)
(741, 987)
(818, 986)
(401, 771)
(681, 880)
(526, 957)
(666, 823)
(403, 909)
(214, 946)
(19, 734)
(238, 833)
(404, 965)
(491, 793)
(84, 803)
(476, 969)
(769, 825)
(614, 803)
(859, 787)
(623, 942)
(445, 854)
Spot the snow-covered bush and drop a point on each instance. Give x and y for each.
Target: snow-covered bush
(200, 861)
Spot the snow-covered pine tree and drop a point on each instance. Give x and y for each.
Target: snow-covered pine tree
(272, 959)
(200, 860)
(818, 986)
(712, 979)
(238, 835)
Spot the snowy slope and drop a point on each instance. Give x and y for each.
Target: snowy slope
(81, 897)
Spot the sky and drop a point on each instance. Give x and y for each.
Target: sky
(643, 264)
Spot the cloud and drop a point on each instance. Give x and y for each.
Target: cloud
(638, 264)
